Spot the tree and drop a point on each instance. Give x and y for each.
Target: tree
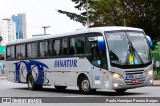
(136, 13)
(82, 6)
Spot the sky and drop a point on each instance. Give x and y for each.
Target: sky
(41, 13)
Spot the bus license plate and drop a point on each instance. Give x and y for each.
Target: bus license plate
(131, 76)
(135, 81)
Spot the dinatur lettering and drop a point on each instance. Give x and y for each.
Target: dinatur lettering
(65, 63)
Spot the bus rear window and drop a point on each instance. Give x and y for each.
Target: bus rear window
(10, 53)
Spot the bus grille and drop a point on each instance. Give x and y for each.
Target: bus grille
(135, 73)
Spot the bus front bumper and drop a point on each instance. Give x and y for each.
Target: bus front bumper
(121, 83)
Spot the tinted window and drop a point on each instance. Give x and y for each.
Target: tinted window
(56, 47)
(64, 47)
(45, 49)
(96, 56)
(76, 46)
(10, 52)
(42, 49)
(32, 50)
(20, 51)
(8, 56)
(48, 48)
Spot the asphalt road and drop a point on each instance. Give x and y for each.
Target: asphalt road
(10, 89)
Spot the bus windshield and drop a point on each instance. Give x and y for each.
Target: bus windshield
(128, 48)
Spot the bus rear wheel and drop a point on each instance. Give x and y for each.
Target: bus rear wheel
(84, 86)
(31, 84)
(60, 87)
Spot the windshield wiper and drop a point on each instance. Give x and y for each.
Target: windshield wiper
(131, 48)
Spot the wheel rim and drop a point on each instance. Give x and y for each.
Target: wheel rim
(85, 85)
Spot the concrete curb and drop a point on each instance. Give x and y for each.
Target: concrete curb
(2, 77)
(156, 82)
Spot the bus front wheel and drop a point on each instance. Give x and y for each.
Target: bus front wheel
(84, 86)
(31, 84)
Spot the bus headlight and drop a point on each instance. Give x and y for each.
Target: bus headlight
(117, 76)
(150, 73)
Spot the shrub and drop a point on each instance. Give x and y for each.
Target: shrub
(157, 77)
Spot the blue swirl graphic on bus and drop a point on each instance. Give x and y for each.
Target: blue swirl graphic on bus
(30, 66)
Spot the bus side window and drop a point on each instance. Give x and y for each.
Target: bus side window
(56, 47)
(93, 53)
(45, 49)
(48, 48)
(32, 49)
(10, 53)
(42, 49)
(76, 46)
(23, 51)
(20, 51)
(64, 46)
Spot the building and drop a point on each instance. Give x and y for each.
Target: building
(7, 31)
(13, 28)
(20, 25)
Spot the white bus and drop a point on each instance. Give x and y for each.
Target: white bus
(114, 58)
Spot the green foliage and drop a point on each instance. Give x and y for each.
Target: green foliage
(74, 16)
(156, 46)
(135, 13)
(157, 77)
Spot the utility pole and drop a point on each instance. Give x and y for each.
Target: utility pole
(87, 14)
(45, 27)
(7, 19)
(124, 22)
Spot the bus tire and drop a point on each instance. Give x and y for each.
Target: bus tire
(84, 86)
(60, 87)
(120, 90)
(31, 84)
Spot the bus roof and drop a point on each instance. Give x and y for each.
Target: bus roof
(78, 31)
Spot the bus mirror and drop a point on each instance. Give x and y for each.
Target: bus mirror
(149, 41)
(101, 43)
